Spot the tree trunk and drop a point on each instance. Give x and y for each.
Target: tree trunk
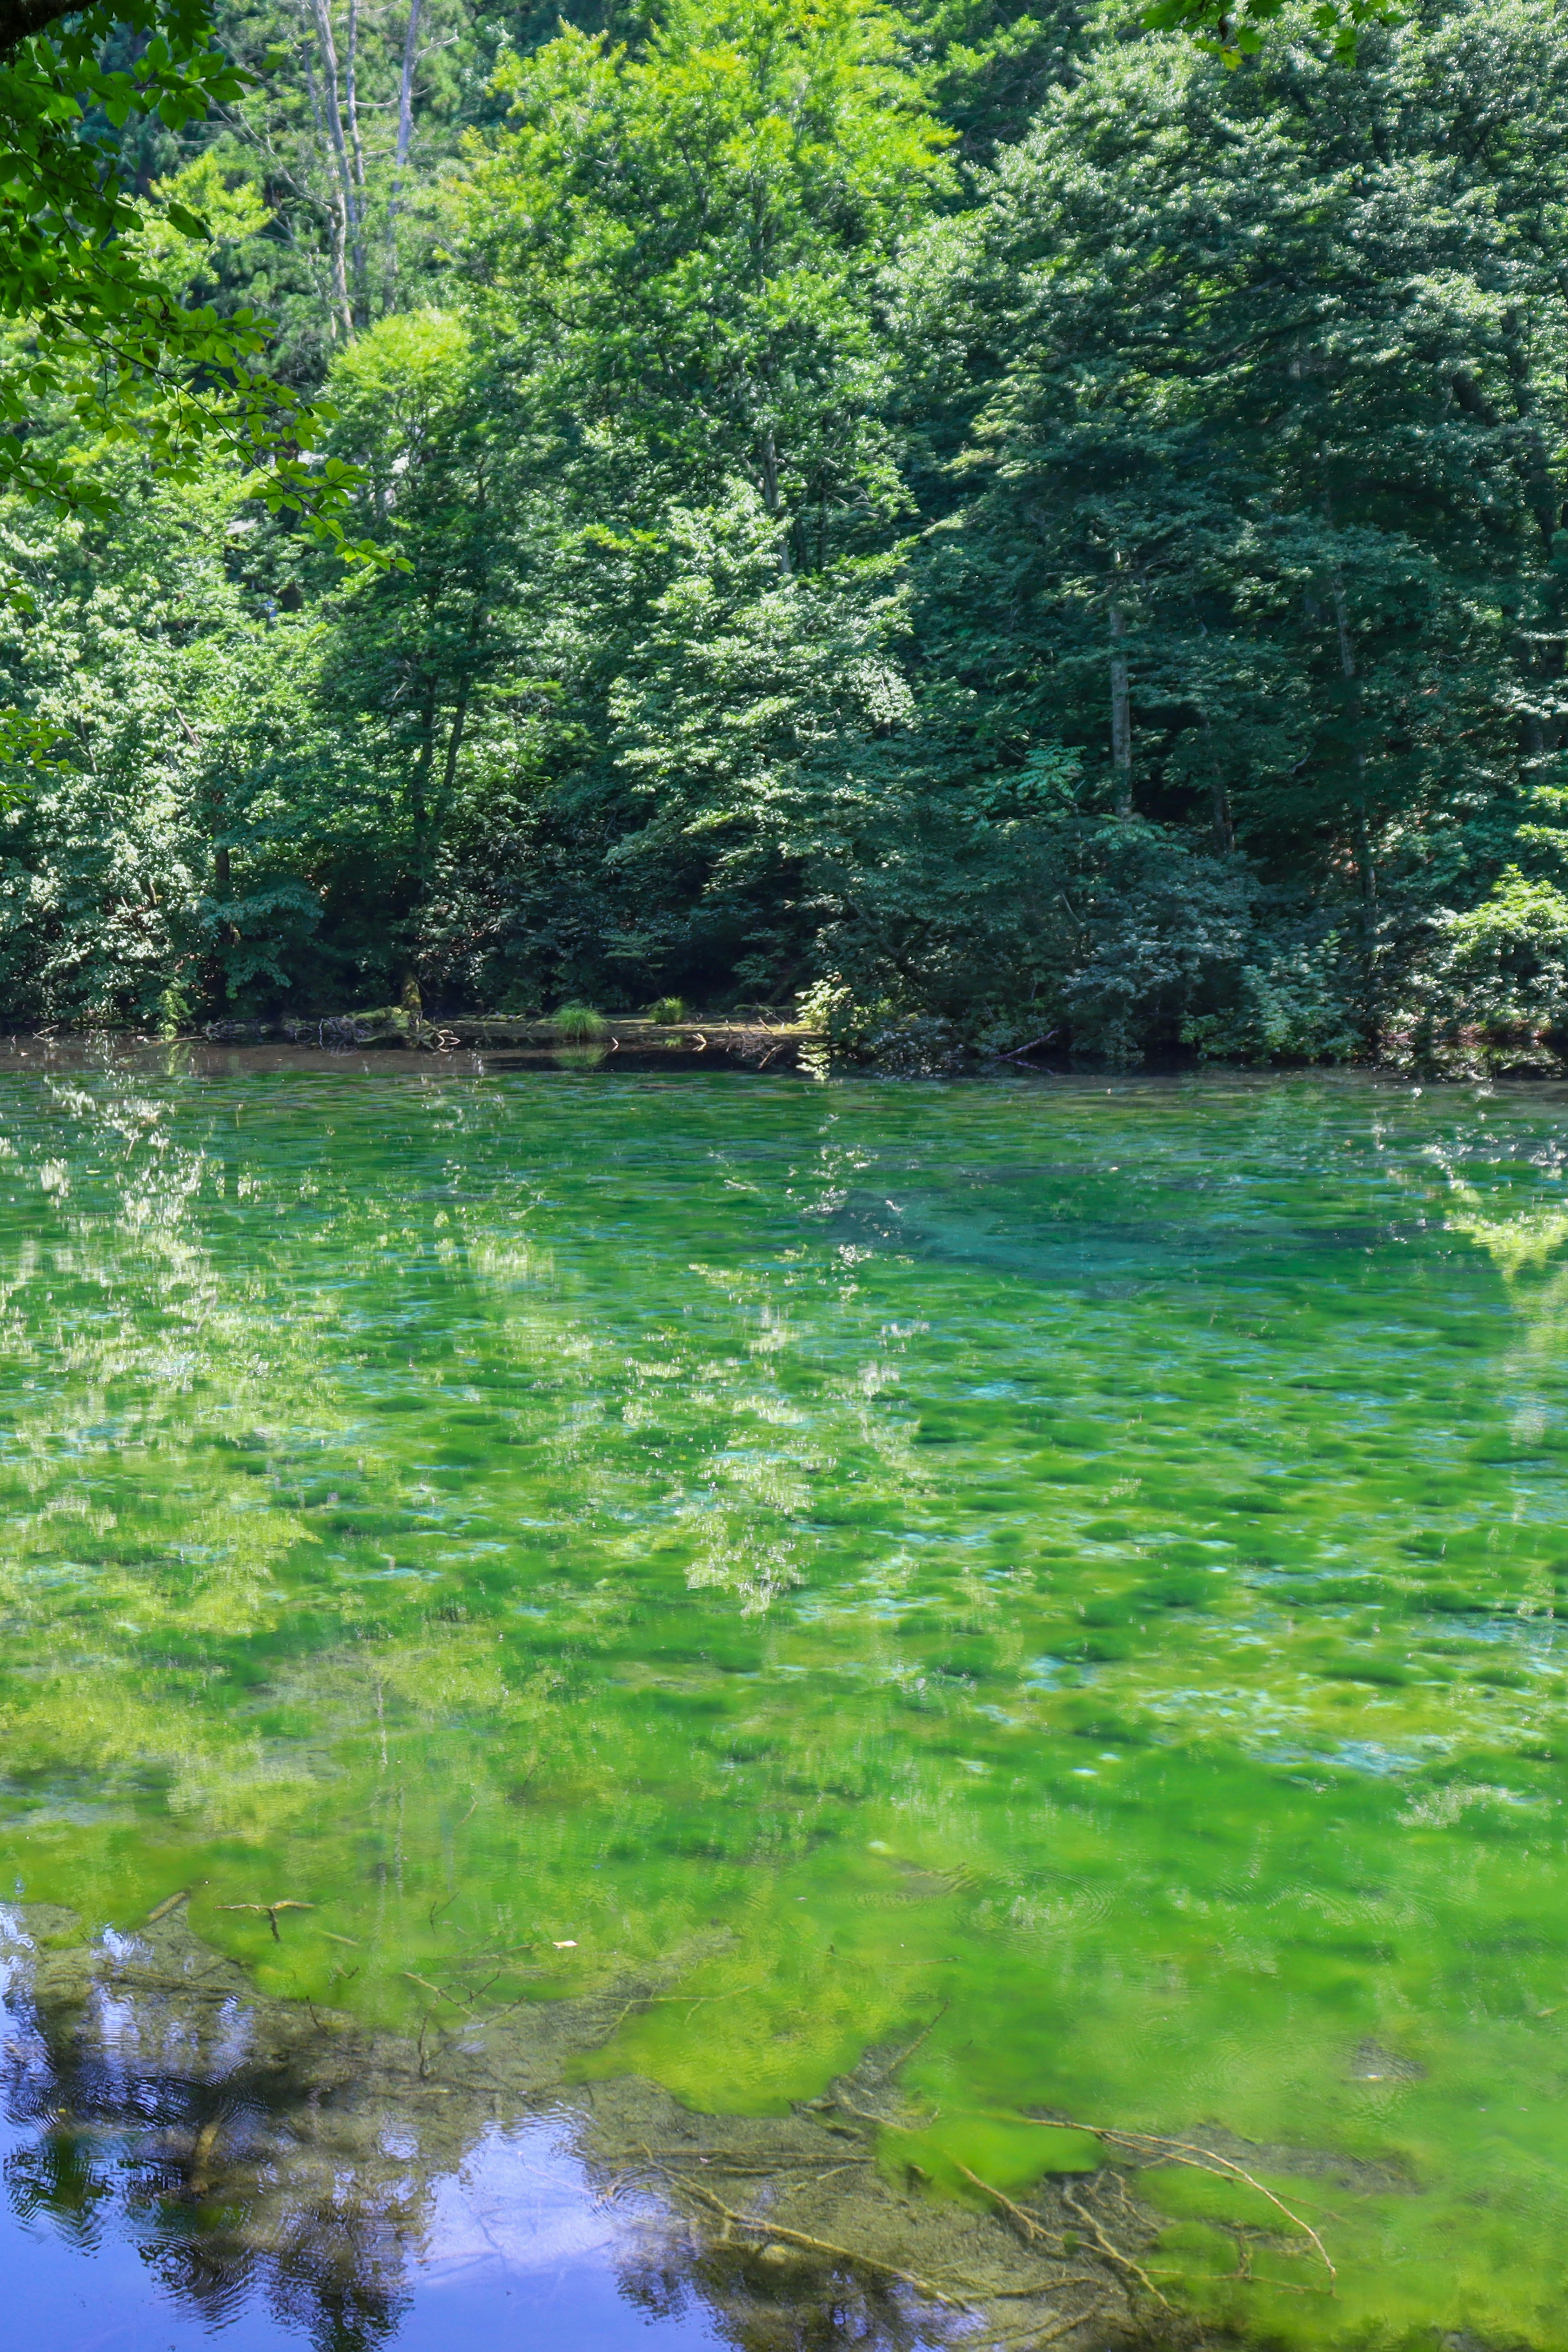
(1366, 867)
(1120, 718)
(352, 232)
(767, 459)
(405, 135)
(20, 20)
(453, 745)
(351, 95)
(1224, 826)
(342, 308)
(424, 759)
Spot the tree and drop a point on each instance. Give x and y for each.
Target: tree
(691, 243)
(1118, 594)
(1232, 32)
(1266, 499)
(744, 728)
(161, 858)
(93, 329)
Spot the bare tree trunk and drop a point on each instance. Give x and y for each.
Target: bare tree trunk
(1121, 716)
(1366, 870)
(424, 759)
(352, 96)
(404, 134)
(1218, 800)
(1341, 622)
(1224, 825)
(343, 320)
(1348, 672)
(351, 93)
(21, 19)
(768, 458)
(1534, 737)
(352, 229)
(453, 745)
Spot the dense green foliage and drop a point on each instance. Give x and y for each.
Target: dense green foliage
(90, 320)
(1004, 525)
(94, 324)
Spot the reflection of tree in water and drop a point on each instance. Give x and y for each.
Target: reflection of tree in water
(153, 2116)
(252, 2148)
(334, 2274)
(56, 2177)
(762, 2306)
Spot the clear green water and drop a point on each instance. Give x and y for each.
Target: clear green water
(1076, 1563)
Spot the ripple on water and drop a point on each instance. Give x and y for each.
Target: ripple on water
(1059, 1581)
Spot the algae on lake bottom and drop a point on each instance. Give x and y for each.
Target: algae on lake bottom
(1072, 1567)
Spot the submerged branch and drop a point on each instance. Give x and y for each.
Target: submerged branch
(1111, 2251)
(1200, 2159)
(808, 2244)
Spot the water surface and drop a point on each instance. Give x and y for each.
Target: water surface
(1064, 1570)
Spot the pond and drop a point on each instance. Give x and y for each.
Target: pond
(715, 1710)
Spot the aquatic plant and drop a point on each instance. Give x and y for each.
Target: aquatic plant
(1074, 1570)
(580, 1024)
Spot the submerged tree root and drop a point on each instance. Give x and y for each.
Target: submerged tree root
(1033, 2233)
(1154, 2148)
(1112, 2254)
(927, 2288)
(1029, 2228)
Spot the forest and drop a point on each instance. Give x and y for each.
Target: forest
(982, 530)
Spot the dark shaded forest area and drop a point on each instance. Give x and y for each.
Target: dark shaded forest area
(986, 528)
